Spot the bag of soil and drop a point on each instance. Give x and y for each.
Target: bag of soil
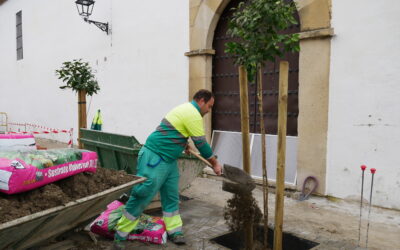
(25, 170)
(150, 228)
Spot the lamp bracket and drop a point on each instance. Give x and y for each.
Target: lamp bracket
(100, 25)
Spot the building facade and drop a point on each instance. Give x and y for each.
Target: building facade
(159, 53)
(140, 65)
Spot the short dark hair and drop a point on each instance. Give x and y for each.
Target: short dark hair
(203, 94)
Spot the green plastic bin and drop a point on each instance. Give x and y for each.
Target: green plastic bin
(115, 151)
(120, 152)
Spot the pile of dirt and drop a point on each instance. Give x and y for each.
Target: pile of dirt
(59, 193)
(240, 210)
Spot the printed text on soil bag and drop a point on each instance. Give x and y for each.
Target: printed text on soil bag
(71, 168)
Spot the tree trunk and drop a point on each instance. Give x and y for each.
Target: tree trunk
(82, 122)
(263, 152)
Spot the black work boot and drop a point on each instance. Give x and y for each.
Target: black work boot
(177, 238)
(118, 245)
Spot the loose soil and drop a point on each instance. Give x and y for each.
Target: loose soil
(240, 210)
(59, 193)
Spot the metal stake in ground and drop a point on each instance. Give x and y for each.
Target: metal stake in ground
(363, 167)
(373, 170)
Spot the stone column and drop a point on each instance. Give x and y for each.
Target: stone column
(200, 73)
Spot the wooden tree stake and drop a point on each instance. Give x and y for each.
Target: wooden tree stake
(280, 169)
(244, 110)
(82, 123)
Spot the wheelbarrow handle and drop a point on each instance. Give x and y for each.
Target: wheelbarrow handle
(200, 157)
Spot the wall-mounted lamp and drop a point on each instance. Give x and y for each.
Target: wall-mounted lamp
(85, 8)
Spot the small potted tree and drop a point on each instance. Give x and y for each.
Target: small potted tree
(78, 76)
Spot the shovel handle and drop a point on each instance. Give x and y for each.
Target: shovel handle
(200, 158)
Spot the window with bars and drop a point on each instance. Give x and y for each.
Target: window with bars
(20, 54)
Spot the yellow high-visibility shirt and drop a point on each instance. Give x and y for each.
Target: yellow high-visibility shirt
(171, 136)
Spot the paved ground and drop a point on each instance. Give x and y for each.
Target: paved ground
(331, 222)
(202, 221)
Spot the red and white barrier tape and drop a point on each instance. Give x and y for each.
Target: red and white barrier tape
(44, 130)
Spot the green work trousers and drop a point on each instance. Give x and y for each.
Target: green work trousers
(161, 177)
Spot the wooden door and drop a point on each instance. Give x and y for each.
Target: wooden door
(225, 85)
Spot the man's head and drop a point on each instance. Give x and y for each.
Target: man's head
(205, 100)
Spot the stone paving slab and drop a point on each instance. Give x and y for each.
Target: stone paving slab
(201, 222)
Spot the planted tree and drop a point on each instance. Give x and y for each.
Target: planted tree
(257, 26)
(79, 77)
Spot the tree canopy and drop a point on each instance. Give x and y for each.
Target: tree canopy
(258, 27)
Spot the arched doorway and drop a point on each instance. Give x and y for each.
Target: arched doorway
(226, 111)
(314, 67)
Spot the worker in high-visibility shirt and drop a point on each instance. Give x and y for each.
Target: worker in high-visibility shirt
(157, 161)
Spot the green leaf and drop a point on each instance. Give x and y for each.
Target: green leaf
(78, 76)
(257, 27)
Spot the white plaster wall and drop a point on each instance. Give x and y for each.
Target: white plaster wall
(364, 100)
(141, 67)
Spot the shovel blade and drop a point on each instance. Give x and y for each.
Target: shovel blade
(238, 176)
(236, 188)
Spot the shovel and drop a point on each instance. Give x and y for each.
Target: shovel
(235, 180)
